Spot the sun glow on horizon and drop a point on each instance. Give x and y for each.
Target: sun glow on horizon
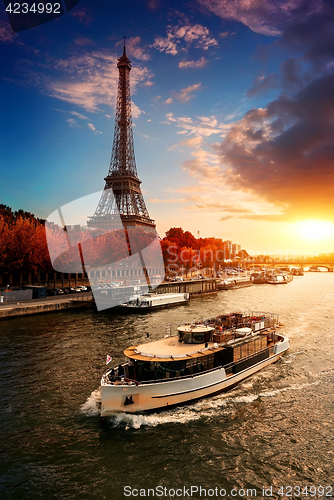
(313, 230)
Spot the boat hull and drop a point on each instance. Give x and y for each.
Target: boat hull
(143, 309)
(160, 395)
(232, 284)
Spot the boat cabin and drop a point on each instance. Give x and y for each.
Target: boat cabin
(195, 334)
(195, 350)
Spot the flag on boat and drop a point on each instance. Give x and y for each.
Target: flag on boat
(109, 358)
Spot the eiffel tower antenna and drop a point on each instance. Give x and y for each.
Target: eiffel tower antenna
(122, 196)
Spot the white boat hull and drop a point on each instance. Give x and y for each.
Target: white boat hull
(159, 395)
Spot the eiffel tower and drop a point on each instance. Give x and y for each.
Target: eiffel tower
(122, 198)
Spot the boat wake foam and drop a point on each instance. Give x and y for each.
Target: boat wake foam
(205, 408)
(91, 408)
(133, 421)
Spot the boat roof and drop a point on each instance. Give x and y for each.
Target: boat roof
(170, 349)
(157, 295)
(193, 328)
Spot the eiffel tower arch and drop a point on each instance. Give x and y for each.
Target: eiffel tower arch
(122, 201)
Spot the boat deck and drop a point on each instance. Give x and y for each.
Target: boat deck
(169, 349)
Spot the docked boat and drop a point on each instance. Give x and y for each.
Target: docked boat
(279, 279)
(150, 301)
(203, 359)
(297, 271)
(260, 277)
(231, 283)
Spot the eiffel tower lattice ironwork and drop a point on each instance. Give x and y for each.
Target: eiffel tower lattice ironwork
(122, 197)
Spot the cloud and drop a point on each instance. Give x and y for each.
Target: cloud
(73, 122)
(89, 81)
(201, 126)
(168, 101)
(211, 206)
(165, 45)
(82, 41)
(6, 35)
(204, 165)
(153, 4)
(263, 83)
(134, 50)
(311, 41)
(74, 113)
(193, 64)
(262, 16)
(167, 200)
(92, 127)
(84, 15)
(285, 152)
(313, 35)
(194, 142)
(196, 35)
(79, 115)
(186, 94)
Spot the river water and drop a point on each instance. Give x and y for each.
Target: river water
(273, 431)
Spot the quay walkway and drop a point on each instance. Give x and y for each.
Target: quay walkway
(49, 304)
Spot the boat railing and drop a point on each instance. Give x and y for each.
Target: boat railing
(246, 318)
(168, 330)
(229, 367)
(123, 381)
(274, 337)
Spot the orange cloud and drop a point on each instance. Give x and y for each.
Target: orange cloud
(285, 152)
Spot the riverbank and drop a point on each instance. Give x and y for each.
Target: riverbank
(49, 304)
(195, 288)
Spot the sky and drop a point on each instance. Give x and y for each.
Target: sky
(232, 105)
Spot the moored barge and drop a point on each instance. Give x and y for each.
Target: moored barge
(151, 301)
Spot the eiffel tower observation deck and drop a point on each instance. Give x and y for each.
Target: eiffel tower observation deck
(122, 199)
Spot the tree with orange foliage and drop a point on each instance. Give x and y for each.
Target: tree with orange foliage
(23, 245)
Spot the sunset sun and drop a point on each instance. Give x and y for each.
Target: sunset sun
(315, 229)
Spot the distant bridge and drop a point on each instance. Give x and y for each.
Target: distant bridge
(306, 266)
(289, 263)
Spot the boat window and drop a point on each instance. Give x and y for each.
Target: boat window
(148, 370)
(144, 371)
(207, 336)
(206, 362)
(191, 366)
(185, 337)
(175, 369)
(198, 337)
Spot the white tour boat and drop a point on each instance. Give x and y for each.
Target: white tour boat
(279, 279)
(205, 358)
(151, 301)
